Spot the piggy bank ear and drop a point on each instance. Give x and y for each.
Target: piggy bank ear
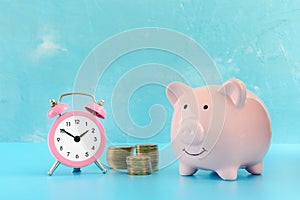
(235, 90)
(175, 90)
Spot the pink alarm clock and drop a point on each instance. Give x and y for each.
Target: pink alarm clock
(77, 138)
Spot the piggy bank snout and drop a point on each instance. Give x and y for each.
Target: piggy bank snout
(191, 132)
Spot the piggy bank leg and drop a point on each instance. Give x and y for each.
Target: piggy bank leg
(228, 174)
(186, 170)
(255, 169)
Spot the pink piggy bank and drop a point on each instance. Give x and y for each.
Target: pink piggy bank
(219, 127)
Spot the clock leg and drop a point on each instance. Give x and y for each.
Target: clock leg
(76, 170)
(53, 168)
(101, 167)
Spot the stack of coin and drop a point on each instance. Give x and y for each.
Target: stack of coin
(150, 150)
(138, 165)
(116, 156)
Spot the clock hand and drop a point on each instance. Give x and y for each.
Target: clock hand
(63, 130)
(84, 133)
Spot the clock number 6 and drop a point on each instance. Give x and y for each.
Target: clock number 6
(77, 156)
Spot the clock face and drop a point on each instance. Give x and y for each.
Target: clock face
(77, 138)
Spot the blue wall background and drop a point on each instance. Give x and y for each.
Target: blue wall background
(44, 43)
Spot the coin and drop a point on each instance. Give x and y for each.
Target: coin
(138, 165)
(116, 156)
(150, 150)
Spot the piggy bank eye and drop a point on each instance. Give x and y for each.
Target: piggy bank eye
(185, 106)
(205, 107)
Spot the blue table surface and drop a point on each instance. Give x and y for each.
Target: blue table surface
(24, 167)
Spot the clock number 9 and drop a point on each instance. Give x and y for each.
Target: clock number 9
(58, 139)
